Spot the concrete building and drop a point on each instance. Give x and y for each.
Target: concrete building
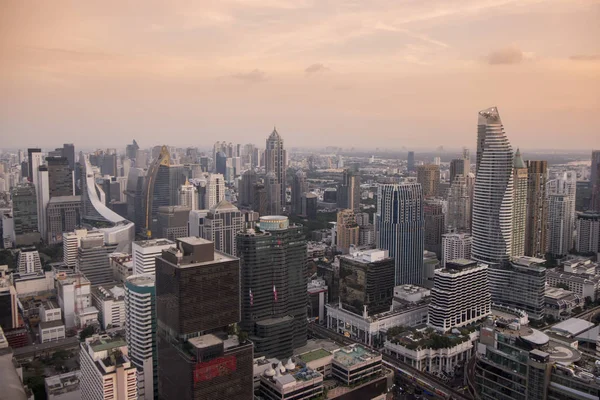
(429, 177)
(188, 196)
(309, 203)
(110, 302)
(9, 310)
(460, 199)
(221, 226)
(456, 246)
(317, 298)
(435, 225)
(273, 193)
(25, 214)
(121, 265)
(172, 222)
(588, 233)
(29, 261)
(347, 231)
(460, 166)
(106, 370)
(60, 176)
(299, 186)
(72, 241)
(560, 224)
(460, 295)
(92, 260)
(64, 386)
(537, 209)
(348, 191)
(276, 163)
(559, 303)
(519, 219)
(595, 181)
(75, 299)
(144, 254)
(64, 215)
(290, 381)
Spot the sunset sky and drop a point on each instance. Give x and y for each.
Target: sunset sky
(373, 73)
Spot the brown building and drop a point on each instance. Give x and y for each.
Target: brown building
(347, 231)
(537, 209)
(429, 177)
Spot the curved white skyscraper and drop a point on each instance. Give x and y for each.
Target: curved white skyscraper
(493, 193)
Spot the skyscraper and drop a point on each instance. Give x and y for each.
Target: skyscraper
(247, 183)
(460, 166)
(299, 186)
(134, 195)
(410, 163)
(276, 162)
(68, 151)
(144, 253)
(347, 231)
(460, 199)
(42, 191)
(25, 214)
(131, 151)
(400, 229)
(221, 226)
(172, 222)
(274, 295)
(595, 181)
(560, 224)
(429, 177)
(435, 223)
(188, 196)
(588, 233)
(455, 246)
(35, 158)
(537, 209)
(348, 191)
(63, 215)
(520, 179)
(92, 260)
(493, 192)
(273, 190)
(60, 176)
(215, 190)
(197, 304)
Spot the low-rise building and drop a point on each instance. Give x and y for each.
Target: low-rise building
(110, 302)
(63, 386)
(356, 363)
(559, 303)
(121, 265)
(74, 296)
(290, 381)
(51, 331)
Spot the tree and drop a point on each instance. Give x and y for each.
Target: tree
(588, 302)
(86, 332)
(243, 337)
(550, 319)
(577, 310)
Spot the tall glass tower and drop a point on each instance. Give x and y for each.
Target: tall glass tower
(276, 161)
(493, 192)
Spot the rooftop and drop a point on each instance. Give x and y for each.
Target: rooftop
(314, 355)
(109, 292)
(63, 383)
(354, 354)
(155, 242)
(105, 342)
(204, 341)
(51, 324)
(146, 280)
(573, 326)
(64, 199)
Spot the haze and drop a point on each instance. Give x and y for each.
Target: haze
(377, 73)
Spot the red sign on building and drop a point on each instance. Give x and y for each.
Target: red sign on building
(211, 369)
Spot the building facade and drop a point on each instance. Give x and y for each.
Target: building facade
(588, 233)
(455, 246)
(537, 209)
(347, 231)
(428, 176)
(276, 162)
(519, 220)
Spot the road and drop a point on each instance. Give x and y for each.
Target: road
(49, 347)
(406, 369)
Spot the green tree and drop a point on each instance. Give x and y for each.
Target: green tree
(86, 332)
(577, 310)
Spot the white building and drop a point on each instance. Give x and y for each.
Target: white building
(42, 190)
(560, 224)
(144, 253)
(106, 370)
(8, 297)
(290, 381)
(121, 265)
(29, 261)
(215, 190)
(110, 302)
(140, 309)
(196, 222)
(72, 241)
(588, 233)
(64, 386)
(455, 246)
(460, 295)
(74, 297)
(188, 196)
(222, 225)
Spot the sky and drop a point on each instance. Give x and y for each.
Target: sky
(351, 73)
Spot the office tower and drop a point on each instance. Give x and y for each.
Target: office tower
(560, 222)
(346, 231)
(43, 196)
(35, 159)
(25, 214)
(131, 151)
(140, 317)
(583, 200)
(92, 259)
(309, 205)
(537, 209)
(274, 296)
(144, 253)
(109, 165)
(29, 261)
(460, 199)
(400, 228)
(456, 246)
(460, 295)
(276, 162)
(64, 215)
(429, 177)
(215, 190)
(588, 232)
(188, 196)
(68, 151)
(9, 304)
(161, 188)
(197, 303)
(134, 194)
(366, 281)
(273, 191)
(60, 176)
(71, 243)
(260, 201)
(435, 225)
(460, 166)
(106, 370)
(249, 179)
(493, 192)
(348, 191)
(221, 163)
(172, 222)
(565, 183)
(595, 181)
(410, 163)
(520, 178)
(221, 226)
(299, 186)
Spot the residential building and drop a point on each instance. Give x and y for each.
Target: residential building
(460, 199)
(188, 196)
(347, 231)
(348, 191)
(110, 302)
(428, 176)
(460, 295)
(519, 219)
(25, 214)
(537, 209)
(215, 191)
(588, 232)
(144, 253)
(276, 163)
(456, 246)
(299, 186)
(64, 215)
(106, 370)
(560, 224)
(435, 224)
(460, 166)
(400, 229)
(197, 292)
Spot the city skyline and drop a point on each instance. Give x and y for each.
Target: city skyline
(380, 72)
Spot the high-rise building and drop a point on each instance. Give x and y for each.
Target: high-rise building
(215, 190)
(276, 162)
(134, 194)
(460, 166)
(221, 163)
(273, 192)
(131, 151)
(92, 259)
(456, 246)
(299, 186)
(43, 197)
(348, 191)
(520, 178)
(493, 192)
(366, 281)
(188, 196)
(460, 295)
(560, 224)
(221, 226)
(9, 304)
(144, 253)
(410, 163)
(35, 158)
(197, 303)
(64, 215)
(537, 209)
(71, 243)
(309, 205)
(249, 179)
(260, 200)
(588, 232)
(595, 181)
(460, 199)
(435, 224)
(25, 214)
(106, 370)
(68, 151)
(429, 177)
(347, 231)
(274, 296)
(140, 316)
(110, 301)
(109, 164)
(400, 229)
(60, 176)
(172, 222)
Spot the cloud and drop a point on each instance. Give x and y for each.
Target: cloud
(316, 68)
(254, 76)
(508, 55)
(585, 57)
